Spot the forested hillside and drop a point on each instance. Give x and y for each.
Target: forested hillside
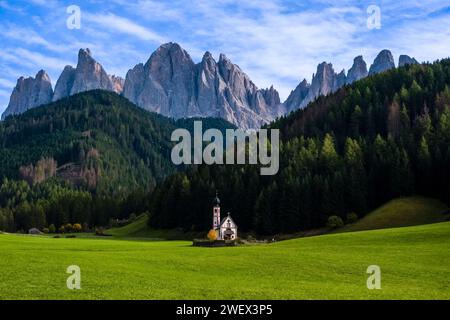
(382, 137)
(84, 159)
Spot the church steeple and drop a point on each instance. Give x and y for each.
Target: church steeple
(216, 212)
(216, 201)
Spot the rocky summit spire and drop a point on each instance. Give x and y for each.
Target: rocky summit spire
(29, 93)
(89, 74)
(383, 62)
(340, 80)
(65, 83)
(357, 71)
(323, 83)
(295, 99)
(404, 60)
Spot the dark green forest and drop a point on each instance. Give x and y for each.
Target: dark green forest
(383, 137)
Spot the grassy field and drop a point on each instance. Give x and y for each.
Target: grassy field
(403, 212)
(138, 229)
(414, 262)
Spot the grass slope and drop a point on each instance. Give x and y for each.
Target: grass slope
(139, 229)
(324, 267)
(403, 212)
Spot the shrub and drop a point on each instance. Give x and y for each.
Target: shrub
(46, 230)
(77, 227)
(62, 229)
(352, 217)
(335, 222)
(212, 235)
(68, 227)
(52, 228)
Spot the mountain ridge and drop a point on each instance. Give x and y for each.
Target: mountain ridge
(172, 84)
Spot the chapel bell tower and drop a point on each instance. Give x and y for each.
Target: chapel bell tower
(216, 212)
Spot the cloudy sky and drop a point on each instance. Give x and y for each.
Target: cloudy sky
(277, 42)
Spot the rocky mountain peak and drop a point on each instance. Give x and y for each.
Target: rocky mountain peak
(30, 93)
(207, 56)
(404, 60)
(89, 74)
(358, 70)
(271, 96)
(297, 96)
(64, 84)
(84, 53)
(383, 62)
(323, 82)
(341, 80)
(42, 76)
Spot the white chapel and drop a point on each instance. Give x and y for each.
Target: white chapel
(226, 228)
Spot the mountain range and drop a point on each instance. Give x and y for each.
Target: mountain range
(172, 84)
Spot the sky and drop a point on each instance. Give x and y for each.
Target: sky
(276, 42)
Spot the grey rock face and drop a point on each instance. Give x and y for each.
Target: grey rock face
(64, 84)
(295, 99)
(322, 84)
(30, 93)
(271, 96)
(170, 83)
(134, 83)
(404, 60)
(340, 80)
(89, 74)
(383, 62)
(357, 71)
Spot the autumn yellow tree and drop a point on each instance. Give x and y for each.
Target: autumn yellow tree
(212, 235)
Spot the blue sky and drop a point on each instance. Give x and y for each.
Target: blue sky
(277, 42)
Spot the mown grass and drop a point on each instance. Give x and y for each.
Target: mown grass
(414, 262)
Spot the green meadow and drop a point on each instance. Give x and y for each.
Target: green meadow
(414, 264)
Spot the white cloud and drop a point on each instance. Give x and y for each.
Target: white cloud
(6, 6)
(272, 46)
(6, 83)
(33, 60)
(30, 37)
(4, 94)
(124, 25)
